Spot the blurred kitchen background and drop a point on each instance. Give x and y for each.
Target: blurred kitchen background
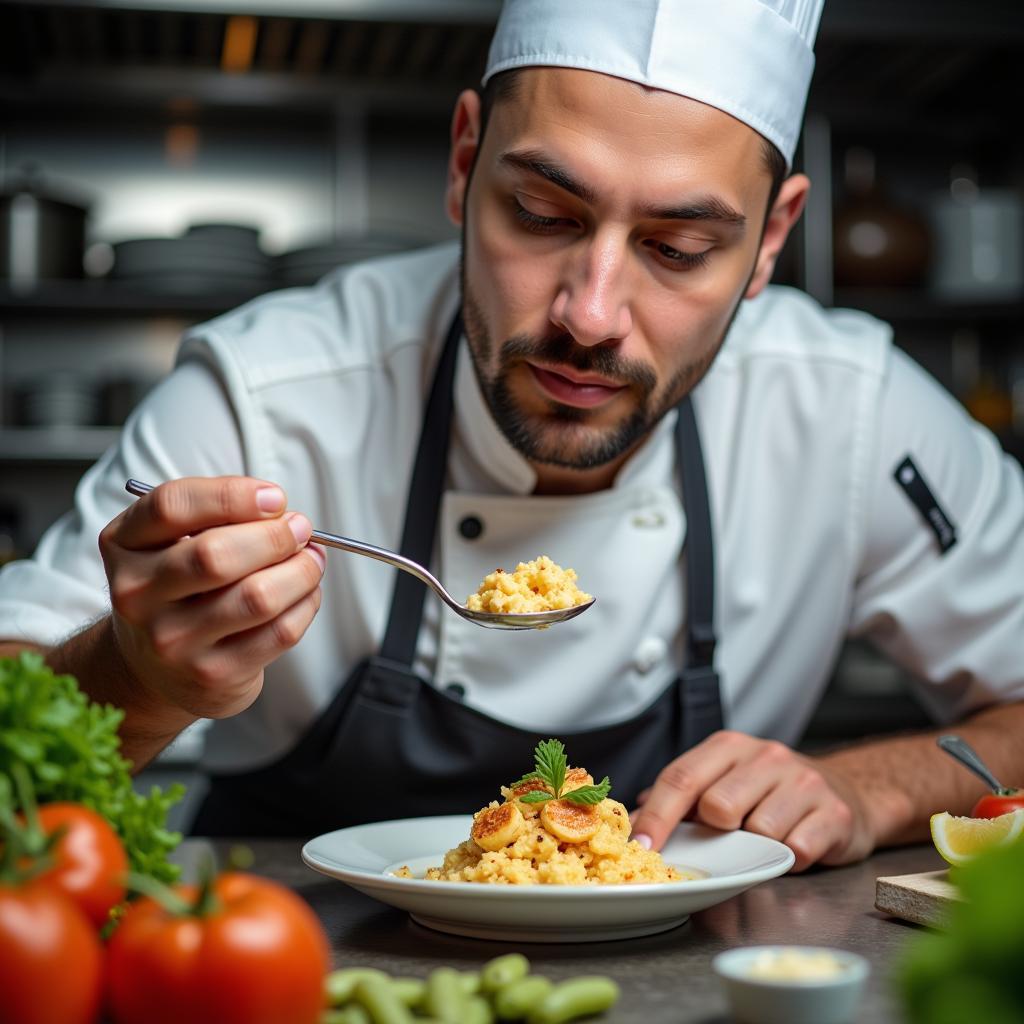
(164, 160)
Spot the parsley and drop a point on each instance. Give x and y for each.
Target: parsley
(550, 767)
(71, 750)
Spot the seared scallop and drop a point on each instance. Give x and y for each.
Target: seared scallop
(518, 791)
(569, 822)
(496, 827)
(575, 778)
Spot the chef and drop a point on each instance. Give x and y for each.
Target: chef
(598, 372)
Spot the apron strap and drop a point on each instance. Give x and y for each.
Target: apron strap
(423, 506)
(700, 554)
(700, 690)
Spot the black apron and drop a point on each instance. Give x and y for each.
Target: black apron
(391, 745)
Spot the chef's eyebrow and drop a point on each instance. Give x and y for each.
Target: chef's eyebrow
(532, 161)
(708, 207)
(702, 208)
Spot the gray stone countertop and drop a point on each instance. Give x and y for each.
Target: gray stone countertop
(665, 977)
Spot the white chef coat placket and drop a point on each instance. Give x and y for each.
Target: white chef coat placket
(624, 544)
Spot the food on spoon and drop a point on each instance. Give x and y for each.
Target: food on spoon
(537, 586)
(960, 840)
(555, 826)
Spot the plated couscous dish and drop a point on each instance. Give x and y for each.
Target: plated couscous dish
(537, 586)
(554, 826)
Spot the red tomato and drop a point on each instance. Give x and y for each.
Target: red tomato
(51, 966)
(991, 805)
(90, 860)
(258, 958)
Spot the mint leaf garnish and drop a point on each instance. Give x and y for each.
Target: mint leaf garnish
(589, 794)
(551, 767)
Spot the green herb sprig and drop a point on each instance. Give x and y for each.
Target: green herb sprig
(550, 766)
(70, 748)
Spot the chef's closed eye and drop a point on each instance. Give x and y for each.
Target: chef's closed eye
(540, 215)
(679, 254)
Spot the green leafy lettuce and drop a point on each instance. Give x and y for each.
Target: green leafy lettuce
(71, 749)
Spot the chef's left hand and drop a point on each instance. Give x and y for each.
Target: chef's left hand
(732, 780)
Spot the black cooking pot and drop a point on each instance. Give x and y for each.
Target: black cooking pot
(42, 235)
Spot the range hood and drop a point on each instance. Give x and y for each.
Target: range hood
(463, 12)
(915, 59)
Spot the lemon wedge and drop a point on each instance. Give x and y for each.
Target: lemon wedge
(958, 840)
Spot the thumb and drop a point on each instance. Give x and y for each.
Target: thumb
(650, 830)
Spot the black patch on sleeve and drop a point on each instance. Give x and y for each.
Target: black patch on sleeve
(908, 476)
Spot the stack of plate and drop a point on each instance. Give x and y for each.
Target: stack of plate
(207, 257)
(61, 398)
(307, 265)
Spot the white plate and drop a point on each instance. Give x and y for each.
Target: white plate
(366, 857)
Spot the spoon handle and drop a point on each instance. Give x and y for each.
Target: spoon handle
(962, 751)
(359, 547)
(138, 488)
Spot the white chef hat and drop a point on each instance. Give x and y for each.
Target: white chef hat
(751, 58)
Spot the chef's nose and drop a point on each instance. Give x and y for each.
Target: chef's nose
(592, 303)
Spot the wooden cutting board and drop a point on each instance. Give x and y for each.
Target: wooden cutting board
(924, 898)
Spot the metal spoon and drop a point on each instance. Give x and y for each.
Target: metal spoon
(491, 620)
(961, 751)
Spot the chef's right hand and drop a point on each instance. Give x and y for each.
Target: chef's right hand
(210, 581)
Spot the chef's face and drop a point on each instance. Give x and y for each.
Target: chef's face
(609, 234)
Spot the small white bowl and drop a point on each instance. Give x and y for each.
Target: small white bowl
(754, 999)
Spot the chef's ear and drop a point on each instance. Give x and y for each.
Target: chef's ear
(465, 139)
(784, 214)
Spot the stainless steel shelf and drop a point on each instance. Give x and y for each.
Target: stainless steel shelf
(916, 304)
(55, 444)
(121, 297)
(139, 86)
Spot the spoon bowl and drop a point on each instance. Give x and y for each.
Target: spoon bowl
(489, 620)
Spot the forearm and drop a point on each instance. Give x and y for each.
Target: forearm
(94, 659)
(900, 782)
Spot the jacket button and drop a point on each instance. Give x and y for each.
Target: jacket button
(471, 527)
(649, 520)
(649, 653)
(456, 690)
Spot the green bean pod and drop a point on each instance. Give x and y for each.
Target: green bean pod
(470, 982)
(382, 1001)
(478, 1011)
(410, 990)
(445, 998)
(351, 1014)
(341, 984)
(518, 999)
(578, 997)
(502, 971)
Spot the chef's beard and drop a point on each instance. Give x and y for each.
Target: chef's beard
(561, 436)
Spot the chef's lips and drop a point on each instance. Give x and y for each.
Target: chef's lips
(527, 432)
(562, 351)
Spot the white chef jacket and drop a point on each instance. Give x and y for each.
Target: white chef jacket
(804, 416)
